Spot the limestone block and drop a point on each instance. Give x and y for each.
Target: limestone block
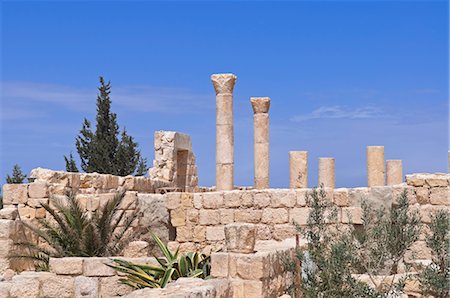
(8, 213)
(416, 179)
(440, 196)
(26, 212)
(6, 228)
(199, 234)
(251, 266)
(4, 289)
(215, 233)
(422, 195)
(192, 216)
(226, 216)
(173, 200)
(86, 287)
(247, 216)
(185, 233)
(375, 166)
(298, 169)
(341, 197)
(95, 266)
(394, 172)
(275, 215)
(37, 202)
(283, 198)
(213, 200)
(224, 176)
(232, 199)
(351, 215)
(301, 196)
(247, 199)
(427, 210)
(418, 251)
(284, 231)
(58, 286)
(219, 264)
(209, 217)
(437, 180)
(38, 189)
(253, 289)
(136, 249)
(299, 215)
(154, 215)
(240, 237)
(178, 217)
(263, 232)
(66, 266)
(5, 247)
(187, 200)
(357, 195)
(198, 200)
(40, 213)
(398, 190)
(112, 287)
(262, 199)
(15, 194)
(129, 200)
(24, 286)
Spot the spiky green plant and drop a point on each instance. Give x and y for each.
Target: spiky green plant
(70, 231)
(171, 267)
(435, 278)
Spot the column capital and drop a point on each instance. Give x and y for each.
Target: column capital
(260, 104)
(223, 83)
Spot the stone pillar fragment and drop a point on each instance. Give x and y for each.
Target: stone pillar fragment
(326, 172)
(298, 169)
(224, 85)
(261, 107)
(394, 172)
(375, 166)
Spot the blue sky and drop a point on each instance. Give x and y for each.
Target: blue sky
(341, 75)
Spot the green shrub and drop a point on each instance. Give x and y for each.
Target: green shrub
(435, 278)
(171, 267)
(72, 232)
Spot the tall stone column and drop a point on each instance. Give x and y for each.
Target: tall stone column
(375, 166)
(261, 107)
(298, 169)
(327, 176)
(394, 172)
(224, 85)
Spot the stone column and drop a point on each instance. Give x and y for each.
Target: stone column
(326, 172)
(261, 107)
(298, 169)
(224, 85)
(375, 166)
(394, 172)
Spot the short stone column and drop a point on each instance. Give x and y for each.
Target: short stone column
(394, 172)
(240, 237)
(327, 172)
(298, 169)
(224, 85)
(261, 107)
(375, 166)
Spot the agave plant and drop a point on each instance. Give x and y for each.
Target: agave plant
(70, 231)
(171, 267)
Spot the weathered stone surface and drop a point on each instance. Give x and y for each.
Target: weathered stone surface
(416, 179)
(375, 166)
(394, 172)
(226, 216)
(215, 233)
(4, 289)
(219, 264)
(327, 172)
(213, 200)
(185, 233)
(136, 249)
(240, 237)
(66, 266)
(198, 200)
(26, 212)
(440, 196)
(284, 231)
(357, 195)
(341, 197)
(298, 169)
(199, 234)
(192, 216)
(275, 215)
(86, 287)
(247, 216)
(8, 213)
(209, 217)
(24, 286)
(96, 267)
(58, 286)
(283, 198)
(301, 196)
(154, 215)
(6, 228)
(427, 210)
(112, 287)
(15, 194)
(437, 180)
(262, 199)
(380, 197)
(38, 189)
(422, 195)
(299, 215)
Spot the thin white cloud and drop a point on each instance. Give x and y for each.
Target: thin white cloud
(132, 98)
(338, 112)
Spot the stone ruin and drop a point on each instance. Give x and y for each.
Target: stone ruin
(249, 231)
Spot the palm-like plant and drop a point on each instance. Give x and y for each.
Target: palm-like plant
(171, 267)
(71, 231)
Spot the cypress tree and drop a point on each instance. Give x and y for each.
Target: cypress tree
(102, 151)
(71, 166)
(17, 176)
